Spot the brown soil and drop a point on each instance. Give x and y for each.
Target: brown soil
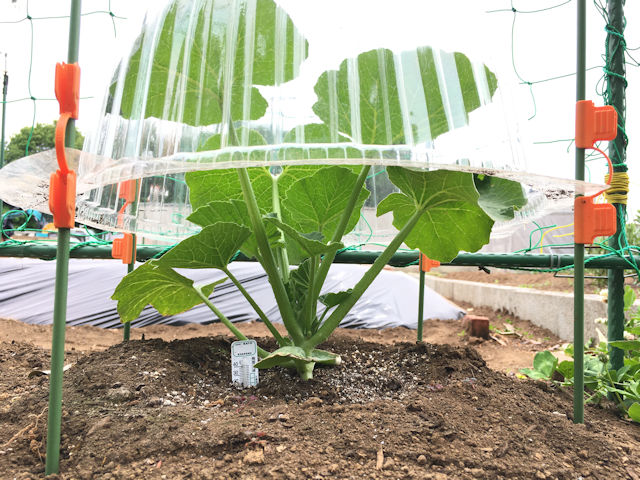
(166, 410)
(162, 406)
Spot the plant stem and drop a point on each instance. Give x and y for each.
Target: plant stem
(268, 262)
(311, 300)
(281, 341)
(281, 251)
(358, 290)
(305, 369)
(326, 262)
(239, 335)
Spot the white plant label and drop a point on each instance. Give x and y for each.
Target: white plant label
(244, 355)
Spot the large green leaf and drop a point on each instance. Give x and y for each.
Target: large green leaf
(544, 364)
(233, 211)
(321, 134)
(452, 220)
(363, 100)
(213, 247)
(499, 198)
(169, 292)
(315, 203)
(333, 299)
(299, 288)
(189, 81)
(630, 345)
(223, 184)
(634, 412)
(565, 368)
(284, 355)
(311, 244)
(242, 136)
(325, 358)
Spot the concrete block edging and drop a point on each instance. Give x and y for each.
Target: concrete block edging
(550, 310)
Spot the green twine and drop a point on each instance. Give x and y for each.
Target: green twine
(32, 97)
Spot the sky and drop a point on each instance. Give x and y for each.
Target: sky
(536, 47)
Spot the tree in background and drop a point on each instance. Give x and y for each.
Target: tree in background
(43, 138)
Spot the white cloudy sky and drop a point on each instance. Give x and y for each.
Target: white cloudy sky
(544, 47)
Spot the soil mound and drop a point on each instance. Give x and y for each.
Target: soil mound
(156, 409)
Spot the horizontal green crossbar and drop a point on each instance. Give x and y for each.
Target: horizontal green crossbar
(400, 259)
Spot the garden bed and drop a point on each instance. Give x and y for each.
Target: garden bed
(393, 409)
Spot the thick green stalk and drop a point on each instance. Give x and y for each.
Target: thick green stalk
(280, 251)
(325, 265)
(358, 290)
(276, 334)
(305, 369)
(311, 301)
(227, 323)
(268, 262)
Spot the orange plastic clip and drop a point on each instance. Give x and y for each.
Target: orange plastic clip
(593, 220)
(62, 187)
(594, 123)
(123, 248)
(128, 191)
(426, 264)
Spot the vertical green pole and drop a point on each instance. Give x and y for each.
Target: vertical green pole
(420, 300)
(5, 85)
(127, 325)
(578, 284)
(617, 152)
(60, 301)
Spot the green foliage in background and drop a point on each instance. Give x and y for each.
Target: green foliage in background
(40, 139)
(600, 380)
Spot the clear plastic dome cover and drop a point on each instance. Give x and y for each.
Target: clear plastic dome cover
(220, 84)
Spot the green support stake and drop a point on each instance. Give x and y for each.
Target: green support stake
(60, 302)
(5, 86)
(420, 301)
(617, 152)
(578, 284)
(400, 259)
(126, 336)
(130, 267)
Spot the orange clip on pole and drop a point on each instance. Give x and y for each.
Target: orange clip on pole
(593, 124)
(426, 264)
(123, 248)
(593, 220)
(62, 188)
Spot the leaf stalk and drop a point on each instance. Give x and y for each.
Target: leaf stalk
(268, 261)
(358, 290)
(276, 334)
(227, 323)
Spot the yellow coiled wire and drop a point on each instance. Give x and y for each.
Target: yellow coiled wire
(618, 188)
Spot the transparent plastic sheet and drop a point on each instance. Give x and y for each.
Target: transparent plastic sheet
(248, 83)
